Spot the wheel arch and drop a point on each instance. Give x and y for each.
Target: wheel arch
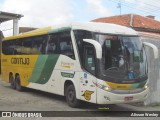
(66, 84)
(10, 74)
(17, 74)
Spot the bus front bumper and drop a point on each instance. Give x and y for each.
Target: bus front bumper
(105, 97)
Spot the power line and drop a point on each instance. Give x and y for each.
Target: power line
(152, 11)
(127, 5)
(137, 9)
(148, 4)
(135, 4)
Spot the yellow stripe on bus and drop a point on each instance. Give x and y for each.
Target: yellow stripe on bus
(36, 32)
(118, 86)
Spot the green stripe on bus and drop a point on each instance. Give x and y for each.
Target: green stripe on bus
(38, 68)
(59, 30)
(48, 69)
(141, 85)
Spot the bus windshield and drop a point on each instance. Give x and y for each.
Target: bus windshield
(123, 59)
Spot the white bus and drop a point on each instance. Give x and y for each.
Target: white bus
(95, 62)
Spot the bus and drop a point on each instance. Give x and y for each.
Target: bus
(99, 63)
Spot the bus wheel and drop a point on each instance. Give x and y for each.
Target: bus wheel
(18, 83)
(12, 82)
(71, 96)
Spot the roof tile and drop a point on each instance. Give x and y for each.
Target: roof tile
(138, 21)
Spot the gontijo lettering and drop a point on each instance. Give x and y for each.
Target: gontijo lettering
(23, 61)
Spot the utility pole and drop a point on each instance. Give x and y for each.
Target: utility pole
(119, 6)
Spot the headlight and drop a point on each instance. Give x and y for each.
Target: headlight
(106, 88)
(146, 86)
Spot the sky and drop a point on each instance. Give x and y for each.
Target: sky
(41, 13)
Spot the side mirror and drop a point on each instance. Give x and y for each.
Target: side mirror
(155, 49)
(97, 47)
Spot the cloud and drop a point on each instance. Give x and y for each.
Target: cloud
(96, 7)
(40, 13)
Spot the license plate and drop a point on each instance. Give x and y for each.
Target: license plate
(129, 98)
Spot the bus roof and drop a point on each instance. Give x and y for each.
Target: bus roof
(90, 26)
(36, 32)
(97, 27)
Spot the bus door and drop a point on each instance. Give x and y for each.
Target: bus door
(87, 78)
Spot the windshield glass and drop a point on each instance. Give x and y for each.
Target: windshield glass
(123, 58)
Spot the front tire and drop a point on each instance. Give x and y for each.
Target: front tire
(71, 96)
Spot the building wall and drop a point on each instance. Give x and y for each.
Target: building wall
(153, 70)
(1, 37)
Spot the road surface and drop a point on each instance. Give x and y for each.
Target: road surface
(33, 100)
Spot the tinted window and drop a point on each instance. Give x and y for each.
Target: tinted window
(52, 44)
(65, 43)
(39, 45)
(17, 47)
(8, 47)
(89, 59)
(79, 36)
(27, 46)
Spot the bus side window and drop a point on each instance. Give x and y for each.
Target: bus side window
(8, 47)
(66, 47)
(18, 47)
(52, 44)
(39, 44)
(89, 60)
(79, 36)
(27, 46)
(107, 54)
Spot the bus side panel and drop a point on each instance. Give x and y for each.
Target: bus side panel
(45, 76)
(19, 64)
(62, 68)
(68, 72)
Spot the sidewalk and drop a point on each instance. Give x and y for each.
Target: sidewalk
(142, 107)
